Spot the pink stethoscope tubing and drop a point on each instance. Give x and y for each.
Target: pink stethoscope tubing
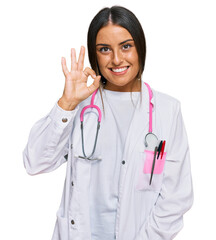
(91, 106)
(150, 115)
(98, 127)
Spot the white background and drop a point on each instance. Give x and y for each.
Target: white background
(181, 52)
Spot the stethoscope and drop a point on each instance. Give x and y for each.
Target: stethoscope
(150, 136)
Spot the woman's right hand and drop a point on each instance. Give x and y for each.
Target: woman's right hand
(76, 89)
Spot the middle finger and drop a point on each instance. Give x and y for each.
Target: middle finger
(73, 59)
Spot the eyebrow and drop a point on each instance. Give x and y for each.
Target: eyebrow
(102, 44)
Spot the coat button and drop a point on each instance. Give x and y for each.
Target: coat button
(72, 222)
(64, 120)
(72, 183)
(123, 162)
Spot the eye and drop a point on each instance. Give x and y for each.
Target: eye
(127, 46)
(104, 49)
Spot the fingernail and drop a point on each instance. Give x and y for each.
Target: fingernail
(94, 76)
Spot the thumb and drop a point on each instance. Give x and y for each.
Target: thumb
(95, 85)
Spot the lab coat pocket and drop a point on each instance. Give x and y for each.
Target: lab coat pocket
(62, 227)
(146, 170)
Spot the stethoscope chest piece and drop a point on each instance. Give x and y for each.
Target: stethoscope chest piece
(151, 140)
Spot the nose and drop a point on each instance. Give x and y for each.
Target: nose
(117, 57)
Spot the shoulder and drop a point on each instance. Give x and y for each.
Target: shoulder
(166, 106)
(165, 101)
(165, 98)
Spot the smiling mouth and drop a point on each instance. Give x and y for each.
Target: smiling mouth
(119, 70)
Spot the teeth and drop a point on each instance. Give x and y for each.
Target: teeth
(119, 69)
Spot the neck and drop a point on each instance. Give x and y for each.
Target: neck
(135, 87)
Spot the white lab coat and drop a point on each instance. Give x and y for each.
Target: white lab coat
(149, 212)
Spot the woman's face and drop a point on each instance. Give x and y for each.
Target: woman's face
(117, 58)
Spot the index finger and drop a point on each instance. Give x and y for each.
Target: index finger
(81, 58)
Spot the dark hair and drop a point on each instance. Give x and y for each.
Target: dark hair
(119, 16)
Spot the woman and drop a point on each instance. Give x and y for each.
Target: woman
(128, 176)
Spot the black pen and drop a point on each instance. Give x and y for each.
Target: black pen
(159, 149)
(153, 165)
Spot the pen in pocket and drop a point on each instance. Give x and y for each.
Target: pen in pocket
(153, 165)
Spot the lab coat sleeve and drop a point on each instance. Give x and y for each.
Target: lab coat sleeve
(48, 141)
(176, 196)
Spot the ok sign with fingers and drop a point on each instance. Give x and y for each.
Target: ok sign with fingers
(76, 89)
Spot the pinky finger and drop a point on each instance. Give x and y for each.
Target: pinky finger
(64, 66)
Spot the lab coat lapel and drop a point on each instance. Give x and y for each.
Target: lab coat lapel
(139, 124)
